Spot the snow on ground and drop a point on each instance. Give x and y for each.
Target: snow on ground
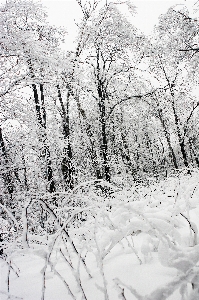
(145, 278)
(145, 246)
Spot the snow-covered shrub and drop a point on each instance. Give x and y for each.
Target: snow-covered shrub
(86, 232)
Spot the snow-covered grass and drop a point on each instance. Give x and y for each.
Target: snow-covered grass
(139, 243)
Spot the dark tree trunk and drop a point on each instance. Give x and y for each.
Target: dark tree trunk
(49, 172)
(6, 172)
(89, 132)
(105, 148)
(67, 166)
(41, 119)
(153, 166)
(37, 105)
(102, 108)
(125, 153)
(180, 138)
(193, 152)
(104, 145)
(171, 86)
(25, 170)
(93, 152)
(184, 153)
(167, 136)
(43, 105)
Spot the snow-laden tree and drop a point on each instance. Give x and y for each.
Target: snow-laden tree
(175, 104)
(112, 48)
(28, 48)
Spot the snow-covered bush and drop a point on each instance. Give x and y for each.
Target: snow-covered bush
(100, 237)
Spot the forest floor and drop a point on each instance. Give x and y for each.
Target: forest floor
(140, 243)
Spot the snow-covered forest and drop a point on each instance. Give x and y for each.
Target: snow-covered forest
(99, 155)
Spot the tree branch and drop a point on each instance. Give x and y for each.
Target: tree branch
(189, 117)
(191, 49)
(129, 98)
(16, 82)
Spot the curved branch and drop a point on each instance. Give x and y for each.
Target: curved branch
(188, 119)
(129, 98)
(62, 227)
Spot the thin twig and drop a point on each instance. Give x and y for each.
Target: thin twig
(191, 227)
(62, 279)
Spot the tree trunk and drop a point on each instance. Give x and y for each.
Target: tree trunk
(167, 136)
(171, 86)
(89, 132)
(180, 138)
(102, 108)
(6, 172)
(67, 166)
(104, 146)
(41, 119)
(192, 150)
(125, 154)
(43, 105)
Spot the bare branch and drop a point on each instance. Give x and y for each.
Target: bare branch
(189, 117)
(191, 49)
(16, 82)
(130, 98)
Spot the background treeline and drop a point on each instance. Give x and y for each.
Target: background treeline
(119, 105)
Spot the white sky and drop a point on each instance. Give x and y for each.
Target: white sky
(66, 12)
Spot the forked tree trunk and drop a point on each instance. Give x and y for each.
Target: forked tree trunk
(41, 120)
(171, 86)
